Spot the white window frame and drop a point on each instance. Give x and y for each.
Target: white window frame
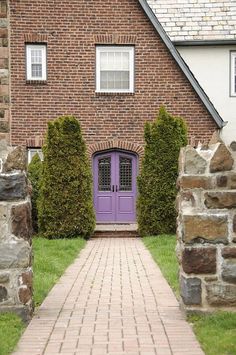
(29, 48)
(232, 74)
(128, 49)
(34, 150)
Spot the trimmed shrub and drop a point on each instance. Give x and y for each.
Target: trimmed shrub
(65, 202)
(159, 172)
(34, 174)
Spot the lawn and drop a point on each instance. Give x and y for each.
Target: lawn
(216, 332)
(51, 258)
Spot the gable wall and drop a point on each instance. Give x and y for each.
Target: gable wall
(71, 31)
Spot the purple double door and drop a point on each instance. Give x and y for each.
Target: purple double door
(115, 190)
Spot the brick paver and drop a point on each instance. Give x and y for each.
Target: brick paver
(112, 300)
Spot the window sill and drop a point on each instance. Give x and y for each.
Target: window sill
(97, 93)
(36, 82)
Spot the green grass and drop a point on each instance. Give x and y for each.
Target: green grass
(163, 252)
(216, 332)
(51, 258)
(11, 328)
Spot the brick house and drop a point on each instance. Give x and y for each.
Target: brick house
(109, 63)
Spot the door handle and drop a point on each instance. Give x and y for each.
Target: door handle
(116, 188)
(113, 188)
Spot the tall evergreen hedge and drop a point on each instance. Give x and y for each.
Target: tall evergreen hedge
(159, 171)
(34, 174)
(65, 202)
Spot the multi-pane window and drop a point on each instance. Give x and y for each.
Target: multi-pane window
(114, 69)
(36, 62)
(233, 73)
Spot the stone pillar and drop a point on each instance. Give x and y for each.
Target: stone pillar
(206, 229)
(4, 72)
(15, 233)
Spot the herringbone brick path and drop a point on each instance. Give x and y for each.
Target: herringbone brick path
(112, 300)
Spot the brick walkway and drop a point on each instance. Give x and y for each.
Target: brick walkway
(112, 300)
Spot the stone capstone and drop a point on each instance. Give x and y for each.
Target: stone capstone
(200, 228)
(3, 294)
(4, 277)
(221, 160)
(194, 182)
(220, 199)
(194, 163)
(14, 254)
(219, 294)
(199, 260)
(21, 220)
(229, 271)
(191, 290)
(25, 295)
(16, 160)
(13, 187)
(229, 252)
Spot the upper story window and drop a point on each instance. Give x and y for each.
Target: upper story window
(115, 69)
(233, 74)
(36, 58)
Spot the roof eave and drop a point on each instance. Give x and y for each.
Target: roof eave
(202, 95)
(205, 42)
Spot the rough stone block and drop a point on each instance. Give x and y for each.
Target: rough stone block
(229, 252)
(200, 228)
(199, 260)
(13, 187)
(194, 163)
(219, 294)
(221, 181)
(220, 199)
(221, 160)
(14, 254)
(16, 160)
(191, 291)
(21, 221)
(25, 295)
(194, 182)
(3, 293)
(4, 277)
(4, 127)
(229, 270)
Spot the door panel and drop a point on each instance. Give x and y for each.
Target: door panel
(115, 187)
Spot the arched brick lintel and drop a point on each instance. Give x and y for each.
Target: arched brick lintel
(116, 144)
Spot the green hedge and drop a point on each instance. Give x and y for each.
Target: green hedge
(159, 171)
(34, 174)
(65, 202)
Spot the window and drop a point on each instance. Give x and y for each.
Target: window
(36, 62)
(32, 152)
(233, 74)
(114, 69)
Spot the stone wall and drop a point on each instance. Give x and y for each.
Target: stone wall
(15, 233)
(206, 230)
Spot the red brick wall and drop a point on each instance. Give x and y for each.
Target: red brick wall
(71, 30)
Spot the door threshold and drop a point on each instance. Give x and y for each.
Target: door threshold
(116, 227)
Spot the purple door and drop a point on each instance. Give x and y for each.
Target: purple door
(115, 187)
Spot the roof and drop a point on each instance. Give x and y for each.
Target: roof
(183, 66)
(197, 20)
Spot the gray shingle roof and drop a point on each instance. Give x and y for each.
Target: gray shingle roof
(196, 20)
